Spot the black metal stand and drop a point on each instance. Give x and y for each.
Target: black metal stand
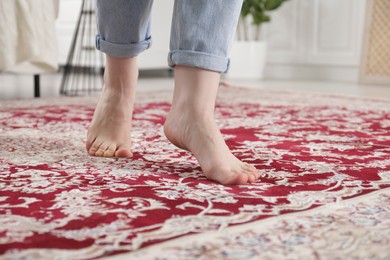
(37, 92)
(83, 72)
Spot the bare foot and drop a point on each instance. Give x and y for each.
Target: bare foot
(202, 137)
(190, 125)
(109, 134)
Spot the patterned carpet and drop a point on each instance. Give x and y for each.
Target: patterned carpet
(324, 191)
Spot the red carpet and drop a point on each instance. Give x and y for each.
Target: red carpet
(324, 190)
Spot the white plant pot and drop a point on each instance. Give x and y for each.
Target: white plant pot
(247, 60)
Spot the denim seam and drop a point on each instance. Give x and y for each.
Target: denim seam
(122, 50)
(204, 60)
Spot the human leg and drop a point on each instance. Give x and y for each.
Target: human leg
(123, 33)
(202, 32)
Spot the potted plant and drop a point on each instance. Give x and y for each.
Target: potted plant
(248, 52)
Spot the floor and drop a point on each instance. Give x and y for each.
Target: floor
(20, 87)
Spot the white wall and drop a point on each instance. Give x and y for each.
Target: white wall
(316, 39)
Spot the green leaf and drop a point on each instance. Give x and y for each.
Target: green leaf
(270, 5)
(246, 7)
(260, 18)
(258, 9)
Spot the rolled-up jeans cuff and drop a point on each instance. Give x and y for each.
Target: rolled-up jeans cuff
(120, 50)
(198, 60)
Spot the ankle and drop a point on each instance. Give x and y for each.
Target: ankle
(121, 74)
(191, 111)
(195, 89)
(120, 85)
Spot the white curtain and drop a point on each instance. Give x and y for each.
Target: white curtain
(28, 41)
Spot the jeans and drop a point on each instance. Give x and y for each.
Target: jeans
(201, 32)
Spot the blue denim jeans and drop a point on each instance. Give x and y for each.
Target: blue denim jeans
(201, 32)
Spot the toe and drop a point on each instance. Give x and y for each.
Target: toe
(237, 179)
(90, 140)
(251, 178)
(94, 148)
(250, 169)
(110, 151)
(88, 145)
(102, 149)
(242, 179)
(255, 174)
(124, 151)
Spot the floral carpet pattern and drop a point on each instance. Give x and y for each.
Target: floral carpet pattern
(324, 164)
